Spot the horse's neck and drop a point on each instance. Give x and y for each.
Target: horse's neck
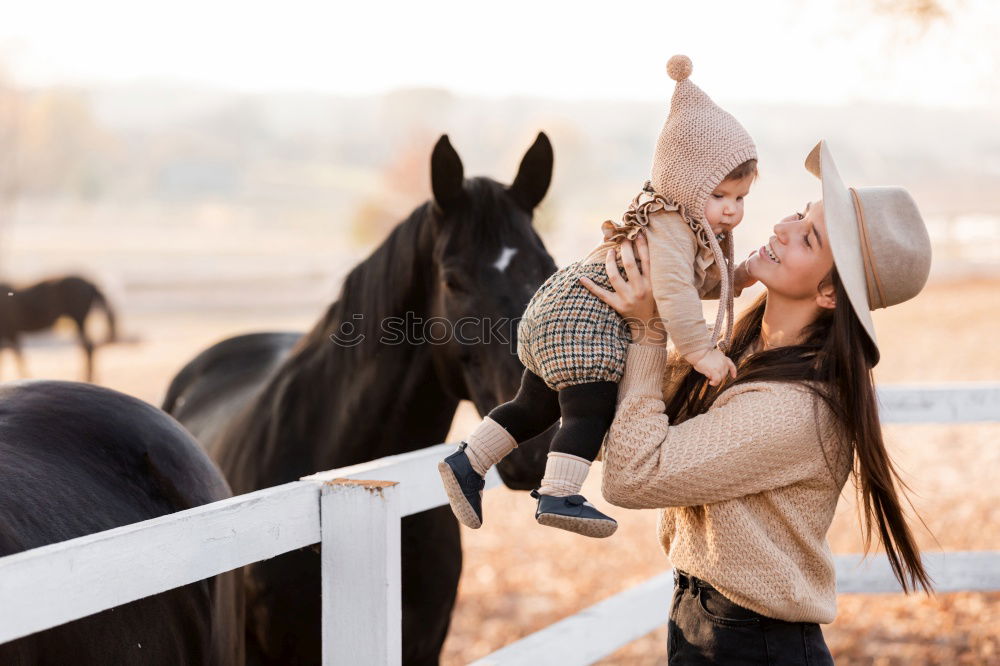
(331, 405)
(33, 310)
(315, 419)
(397, 404)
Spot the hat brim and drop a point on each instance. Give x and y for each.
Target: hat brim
(842, 231)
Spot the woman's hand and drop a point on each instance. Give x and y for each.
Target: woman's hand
(633, 299)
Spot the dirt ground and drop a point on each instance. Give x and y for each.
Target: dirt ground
(520, 577)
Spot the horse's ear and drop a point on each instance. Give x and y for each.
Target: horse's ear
(534, 174)
(447, 173)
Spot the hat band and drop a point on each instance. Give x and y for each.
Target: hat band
(872, 282)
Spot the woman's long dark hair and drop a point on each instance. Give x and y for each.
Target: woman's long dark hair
(835, 359)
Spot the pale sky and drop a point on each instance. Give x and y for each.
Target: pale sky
(833, 52)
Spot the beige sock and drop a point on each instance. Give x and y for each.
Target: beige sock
(488, 444)
(564, 475)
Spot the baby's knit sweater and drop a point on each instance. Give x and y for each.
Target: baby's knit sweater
(682, 272)
(748, 489)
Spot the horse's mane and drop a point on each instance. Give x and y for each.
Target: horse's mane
(288, 415)
(377, 287)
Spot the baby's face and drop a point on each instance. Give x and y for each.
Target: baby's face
(724, 208)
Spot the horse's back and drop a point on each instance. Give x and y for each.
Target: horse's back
(216, 385)
(40, 305)
(79, 459)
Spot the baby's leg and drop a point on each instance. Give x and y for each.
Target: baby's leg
(532, 411)
(587, 411)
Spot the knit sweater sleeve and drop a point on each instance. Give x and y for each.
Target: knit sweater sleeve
(714, 292)
(672, 252)
(756, 437)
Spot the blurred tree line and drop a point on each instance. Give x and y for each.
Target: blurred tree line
(361, 163)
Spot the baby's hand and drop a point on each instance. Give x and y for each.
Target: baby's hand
(741, 277)
(715, 365)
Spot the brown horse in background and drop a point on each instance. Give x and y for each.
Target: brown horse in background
(41, 305)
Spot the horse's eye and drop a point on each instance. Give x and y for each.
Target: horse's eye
(453, 281)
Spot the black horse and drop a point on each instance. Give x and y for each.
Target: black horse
(426, 321)
(40, 306)
(77, 459)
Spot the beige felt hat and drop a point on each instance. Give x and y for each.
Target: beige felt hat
(879, 241)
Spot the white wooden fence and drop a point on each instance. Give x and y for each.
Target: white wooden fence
(355, 512)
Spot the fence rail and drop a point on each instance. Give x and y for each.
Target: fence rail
(61, 582)
(610, 624)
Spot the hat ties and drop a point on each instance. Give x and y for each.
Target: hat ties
(872, 281)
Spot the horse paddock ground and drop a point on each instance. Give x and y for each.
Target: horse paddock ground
(520, 577)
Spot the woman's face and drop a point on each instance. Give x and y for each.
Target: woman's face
(797, 258)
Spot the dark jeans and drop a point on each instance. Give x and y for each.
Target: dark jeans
(707, 628)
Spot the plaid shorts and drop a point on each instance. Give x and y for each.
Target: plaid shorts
(568, 336)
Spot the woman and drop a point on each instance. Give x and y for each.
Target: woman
(748, 474)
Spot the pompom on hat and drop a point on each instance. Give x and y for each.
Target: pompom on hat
(679, 67)
(879, 241)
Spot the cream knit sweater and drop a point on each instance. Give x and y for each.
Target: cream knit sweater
(746, 489)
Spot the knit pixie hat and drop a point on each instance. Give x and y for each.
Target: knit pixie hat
(698, 146)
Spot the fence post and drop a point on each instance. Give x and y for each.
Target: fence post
(362, 607)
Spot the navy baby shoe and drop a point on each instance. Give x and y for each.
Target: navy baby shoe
(464, 487)
(574, 514)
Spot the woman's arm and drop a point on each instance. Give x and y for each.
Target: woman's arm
(757, 437)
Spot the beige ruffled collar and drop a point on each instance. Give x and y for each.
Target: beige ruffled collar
(647, 202)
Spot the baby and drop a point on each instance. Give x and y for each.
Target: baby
(573, 345)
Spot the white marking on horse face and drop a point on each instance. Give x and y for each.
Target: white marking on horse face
(503, 260)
